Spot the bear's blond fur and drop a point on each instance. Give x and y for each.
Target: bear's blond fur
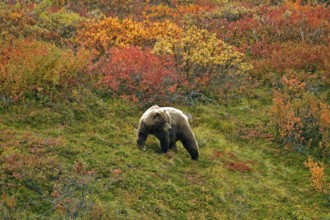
(169, 125)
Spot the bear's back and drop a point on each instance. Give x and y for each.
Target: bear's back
(175, 114)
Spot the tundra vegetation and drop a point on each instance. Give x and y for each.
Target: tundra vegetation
(76, 75)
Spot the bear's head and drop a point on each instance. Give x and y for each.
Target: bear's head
(157, 119)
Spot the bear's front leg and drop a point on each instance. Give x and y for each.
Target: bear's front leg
(173, 147)
(164, 139)
(142, 137)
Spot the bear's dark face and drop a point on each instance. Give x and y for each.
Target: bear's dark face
(158, 120)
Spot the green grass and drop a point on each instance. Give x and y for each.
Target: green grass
(234, 178)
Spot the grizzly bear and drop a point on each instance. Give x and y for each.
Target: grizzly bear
(168, 125)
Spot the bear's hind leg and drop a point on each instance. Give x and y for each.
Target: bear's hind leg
(189, 142)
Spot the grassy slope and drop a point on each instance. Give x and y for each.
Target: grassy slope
(150, 185)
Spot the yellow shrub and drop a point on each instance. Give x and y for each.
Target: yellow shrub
(198, 48)
(206, 65)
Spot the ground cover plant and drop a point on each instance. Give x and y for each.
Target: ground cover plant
(252, 76)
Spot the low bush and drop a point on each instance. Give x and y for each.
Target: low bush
(137, 75)
(317, 179)
(113, 32)
(276, 59)
(206, 66)
(31, 69)
(301, 116)
(55, 24)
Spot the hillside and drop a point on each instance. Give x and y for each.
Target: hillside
(92, 168)
(76, 76)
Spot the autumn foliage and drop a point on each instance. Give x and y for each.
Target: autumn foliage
(40, 70)
(175, 51)
(137, 75)
(273, 53)
(204, 63)
(112, 31)
(317, 175)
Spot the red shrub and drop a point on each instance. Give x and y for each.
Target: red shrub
(293, 23)
(138, 75)
(291, 56)
(284, 23)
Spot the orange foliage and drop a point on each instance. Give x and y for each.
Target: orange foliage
(158, 12)
(175, 11)
(289, 125)
(7, 201)
(110, 32)
(197, 9)
(15, 20)
(318, 175)
(35, 68)
(302, 120)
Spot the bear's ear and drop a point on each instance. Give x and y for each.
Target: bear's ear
(156, 115)
(165, 112)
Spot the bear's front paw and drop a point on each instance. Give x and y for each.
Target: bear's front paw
(143, 147)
